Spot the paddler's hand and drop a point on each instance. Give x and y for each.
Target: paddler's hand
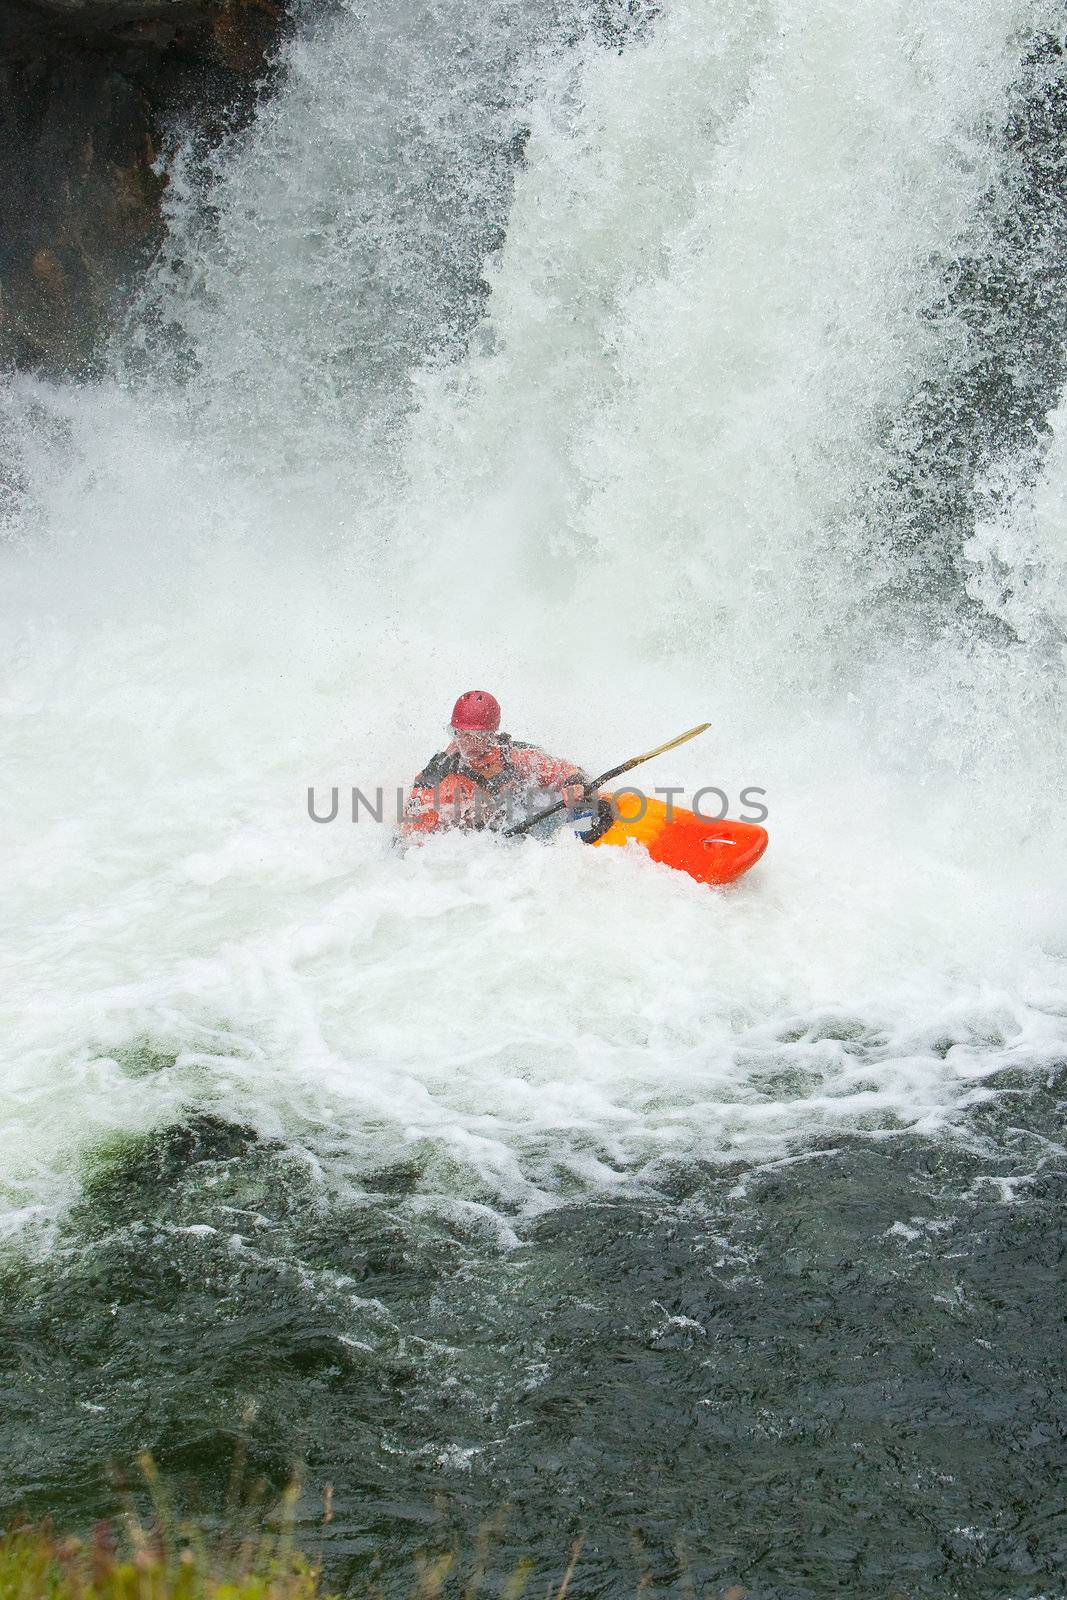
(573, 794)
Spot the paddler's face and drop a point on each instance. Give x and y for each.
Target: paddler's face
(474, 744)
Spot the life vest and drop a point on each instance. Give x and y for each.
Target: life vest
(450, 793)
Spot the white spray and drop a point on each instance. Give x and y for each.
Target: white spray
(321, 496)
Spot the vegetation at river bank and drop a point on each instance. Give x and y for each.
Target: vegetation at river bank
(252, 1554)
(171, 1559)
(166, 1559)
(35, 1564)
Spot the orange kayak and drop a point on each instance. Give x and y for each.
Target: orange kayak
(710, 852)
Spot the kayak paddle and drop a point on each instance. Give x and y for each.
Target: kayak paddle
(613, 772)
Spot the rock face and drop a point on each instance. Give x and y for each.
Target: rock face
(86, 89)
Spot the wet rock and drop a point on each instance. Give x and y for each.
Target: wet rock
(87, 90)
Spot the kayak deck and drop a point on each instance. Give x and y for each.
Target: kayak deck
(710, 852)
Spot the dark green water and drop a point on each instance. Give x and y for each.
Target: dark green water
(843, 1374)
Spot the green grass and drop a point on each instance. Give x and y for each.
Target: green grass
(174, 1560)
(166, 1560)
(35, 1565)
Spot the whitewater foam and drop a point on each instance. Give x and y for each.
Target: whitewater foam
(628, 503)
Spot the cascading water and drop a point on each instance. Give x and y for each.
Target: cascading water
(566, 351)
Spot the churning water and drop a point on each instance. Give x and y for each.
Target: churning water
(643, 364)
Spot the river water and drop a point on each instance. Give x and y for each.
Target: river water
(644, 365)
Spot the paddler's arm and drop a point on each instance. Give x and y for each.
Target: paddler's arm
(420, 818)
(573, 789)
(422, 813)
(552, 772)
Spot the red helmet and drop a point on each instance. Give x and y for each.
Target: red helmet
(476, 712)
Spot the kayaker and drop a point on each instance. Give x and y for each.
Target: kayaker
(485, 778)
